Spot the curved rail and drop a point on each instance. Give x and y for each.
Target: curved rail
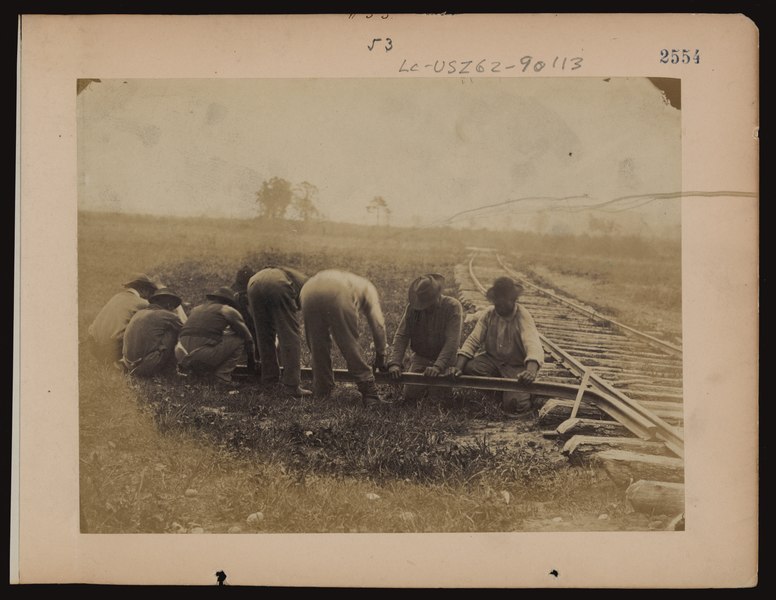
(662, 344)
(613, 402)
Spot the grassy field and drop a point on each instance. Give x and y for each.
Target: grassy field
(172, 455)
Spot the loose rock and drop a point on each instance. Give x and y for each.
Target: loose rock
(191, 492)
(177, 528)
(255, 518)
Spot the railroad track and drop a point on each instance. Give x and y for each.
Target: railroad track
(631, 418)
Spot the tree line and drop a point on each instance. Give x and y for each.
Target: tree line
(278, 198)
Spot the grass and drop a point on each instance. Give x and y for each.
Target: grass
(173, 455)
(643, 292)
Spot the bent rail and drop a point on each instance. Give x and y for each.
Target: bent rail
(642, 422)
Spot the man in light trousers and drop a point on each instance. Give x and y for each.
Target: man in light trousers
(331, 303)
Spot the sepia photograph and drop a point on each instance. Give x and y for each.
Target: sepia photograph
(386, 300)
(369, 305)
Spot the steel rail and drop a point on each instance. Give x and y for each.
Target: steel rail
(670, 348)
(612, 401)
(564, 391)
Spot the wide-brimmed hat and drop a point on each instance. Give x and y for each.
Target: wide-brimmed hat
(140, 280)
(225, 295)
(425, 291)
(166, 293)
(504, 287)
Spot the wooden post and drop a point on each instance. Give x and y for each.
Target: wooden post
(626, 467)
(580, 393)
(658, 497)
(581, 447)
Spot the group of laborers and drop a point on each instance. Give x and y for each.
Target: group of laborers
(145, 330)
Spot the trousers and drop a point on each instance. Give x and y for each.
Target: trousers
(203, 355)
(107, 352)
(485, 366)
(418, 364)
(158, 360)
(275, 317)
(326, 318)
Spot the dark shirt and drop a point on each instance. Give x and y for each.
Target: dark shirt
(147, 330)
(433, 333)
(209, 320)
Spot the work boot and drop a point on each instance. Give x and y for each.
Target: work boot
(296, 391)
(369, 394)
(222, 383)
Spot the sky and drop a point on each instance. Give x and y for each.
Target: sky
(431, 148)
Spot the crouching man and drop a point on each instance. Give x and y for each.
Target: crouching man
(504, 343)
(431, 327)
(213, 338)
(106, 332)
(151, 335)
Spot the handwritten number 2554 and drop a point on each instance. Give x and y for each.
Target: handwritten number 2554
(683, 56)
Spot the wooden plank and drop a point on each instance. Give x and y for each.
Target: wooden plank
(625, 467)
(578, 399)
(555, 411)
(581, 447)
(590, 427)
(657, 497)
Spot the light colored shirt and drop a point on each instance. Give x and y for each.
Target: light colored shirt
(512, 340)
(348, 288)
(112, 320)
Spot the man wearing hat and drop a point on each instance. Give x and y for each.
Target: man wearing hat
(431, 327)
(331, 302)
(504, 343)
(213, 337)
(273, 296)
(150, 337)
(107, 330)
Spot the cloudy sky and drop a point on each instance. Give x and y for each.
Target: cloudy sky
(431, 147)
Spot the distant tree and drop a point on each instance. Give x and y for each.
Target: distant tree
(303, 203)
(378, 206)
(274, 198)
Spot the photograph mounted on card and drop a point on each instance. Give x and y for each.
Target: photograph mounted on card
(398, 287)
